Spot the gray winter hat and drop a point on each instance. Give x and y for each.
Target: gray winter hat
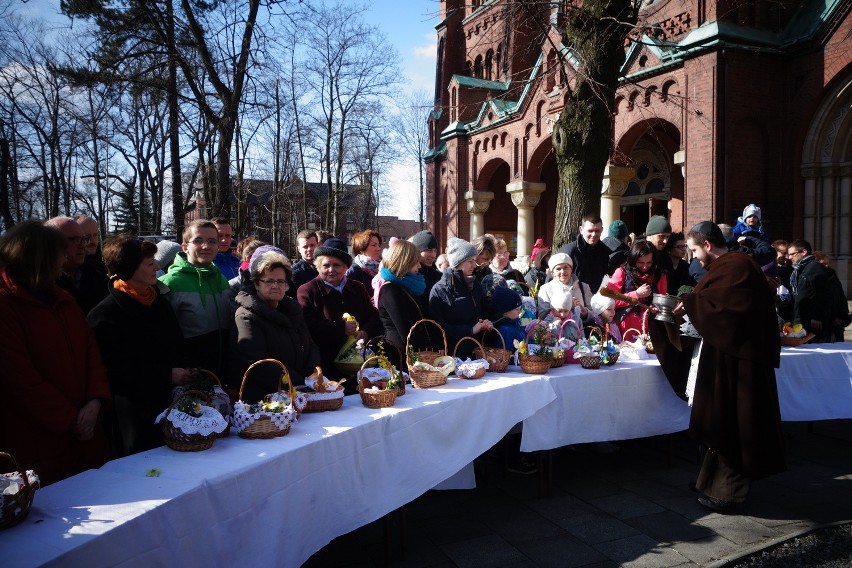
(166, 253)
(459, 250)
(424, 240)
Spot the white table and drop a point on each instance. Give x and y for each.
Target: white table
(634, 399)
(271, 502)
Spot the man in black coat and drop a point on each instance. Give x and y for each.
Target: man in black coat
(588, 253)
(811, 293)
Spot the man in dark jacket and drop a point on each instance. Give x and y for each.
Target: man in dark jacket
(589, 255)
(811, 293)
(735, 411)
(85, 282)
(304, 269)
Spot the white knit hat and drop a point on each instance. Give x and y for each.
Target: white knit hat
(559, 258)
(600, 303)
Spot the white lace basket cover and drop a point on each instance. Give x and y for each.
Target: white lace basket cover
(243, 417)
(310, 382)
(469, 367)
(210, 422)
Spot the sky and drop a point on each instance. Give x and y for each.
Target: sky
(409, 26)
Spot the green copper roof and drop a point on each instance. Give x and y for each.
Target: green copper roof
(474, 83)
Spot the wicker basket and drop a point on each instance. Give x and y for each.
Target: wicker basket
(612, 359)
(498, 358)
(383, 340)
(643, 338)
(590, 361)
(381, 399)
(176, 438)
(533, 364)
(16, 506)
(211, 394)
(423, 378)
(322, 404)
(479, 373)
(264, 427)
(427, 355)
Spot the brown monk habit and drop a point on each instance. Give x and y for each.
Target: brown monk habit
(735, 406)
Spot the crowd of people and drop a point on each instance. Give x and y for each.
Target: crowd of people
(96, 338)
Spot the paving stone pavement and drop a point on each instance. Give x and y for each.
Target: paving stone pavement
(628, 508)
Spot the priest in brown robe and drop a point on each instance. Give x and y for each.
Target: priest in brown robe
(735, 411)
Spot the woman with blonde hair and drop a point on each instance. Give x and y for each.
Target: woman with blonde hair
(401, 299)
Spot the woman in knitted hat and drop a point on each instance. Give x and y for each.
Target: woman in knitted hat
(269, 324)
(401, 302)
(327, 297)
(139, 338)
(639, 277)
(51, 376)
(561, 268)
(457, 301)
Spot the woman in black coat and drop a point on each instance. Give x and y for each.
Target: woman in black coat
(457, 301)
(139, 336)
(269, 325)
(401, 302)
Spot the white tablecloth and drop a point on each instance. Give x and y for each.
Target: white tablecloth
(271, 502)
(634, 399)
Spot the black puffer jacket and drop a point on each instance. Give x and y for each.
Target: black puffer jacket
(262, 332)
(457, 308)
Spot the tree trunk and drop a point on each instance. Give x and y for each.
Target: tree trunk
(582, 135)
(5, 178)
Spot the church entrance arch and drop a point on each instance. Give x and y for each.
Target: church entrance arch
(827, 172)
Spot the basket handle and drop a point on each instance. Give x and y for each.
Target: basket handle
(592, 328)
(410, 331)
(211, 373)
(17, 466)
(497, 331)
(284, 373)
(468, 338)
(572, 322)
(193, 393)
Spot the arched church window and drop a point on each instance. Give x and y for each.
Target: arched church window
(489, 56)
(477, 67)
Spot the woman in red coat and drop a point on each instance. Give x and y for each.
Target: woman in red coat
(639, 277)
(51, 376)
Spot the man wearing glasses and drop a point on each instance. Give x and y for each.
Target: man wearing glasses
(198, 294)
(812, 295)
(87, 284)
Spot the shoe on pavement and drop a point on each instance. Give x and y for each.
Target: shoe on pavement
(720, 506)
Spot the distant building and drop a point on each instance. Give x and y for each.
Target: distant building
(724, 104)
(278, 221)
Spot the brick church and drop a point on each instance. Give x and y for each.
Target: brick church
(723, 103)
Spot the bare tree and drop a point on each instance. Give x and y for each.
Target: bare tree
(347, 64)
(413, 137)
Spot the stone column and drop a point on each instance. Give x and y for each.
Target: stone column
(477, 205)
(614, 186)
(525, 195)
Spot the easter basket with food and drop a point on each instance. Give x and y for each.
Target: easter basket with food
(428, 368)
(352, 354)
(470, 368)
(205, 381)
(378, 390)
(794, 335)
(17, 491)
(535, 355)
(189, 424)
(498, 357)
(272, 416)
(322, 394)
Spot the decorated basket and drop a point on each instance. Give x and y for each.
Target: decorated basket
(192, 431)
(21, 486)
(325, 395)
(381, 398)
(424, 378)
(377, 345)
(425, 355)
(474, 369)
(217, 397)
(534, 364)
(592, 361)
(498, 358)
(568, 354)
(271, 417)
